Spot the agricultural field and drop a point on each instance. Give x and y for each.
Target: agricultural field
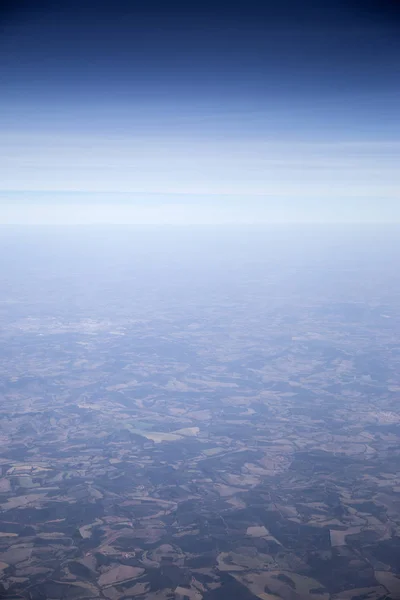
(236, 438)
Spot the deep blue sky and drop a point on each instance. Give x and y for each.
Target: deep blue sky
(266, 110)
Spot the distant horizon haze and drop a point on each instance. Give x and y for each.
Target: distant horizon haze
(200, 113)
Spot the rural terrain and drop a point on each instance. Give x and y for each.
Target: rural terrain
(225, 439)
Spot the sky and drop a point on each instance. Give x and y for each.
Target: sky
(197, 113)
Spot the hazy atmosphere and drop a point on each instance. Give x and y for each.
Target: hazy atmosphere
(199, 300)
(196, 113)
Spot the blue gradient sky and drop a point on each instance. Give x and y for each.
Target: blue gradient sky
(178, 113)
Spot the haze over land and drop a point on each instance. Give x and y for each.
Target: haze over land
(199, 300)
(206, 413)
